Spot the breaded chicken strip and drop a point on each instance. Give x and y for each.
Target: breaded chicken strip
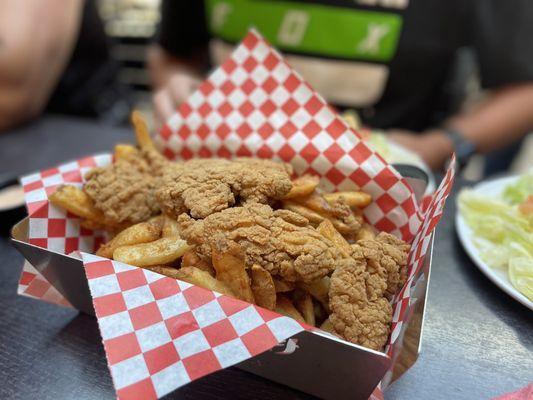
(282, 242)
(386, 257)
(123, 191)
(360, 289)
(359, 315)
(205, 186)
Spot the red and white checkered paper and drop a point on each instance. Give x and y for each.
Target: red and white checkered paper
(159, 333)
(53, 228)
(526, 393)
(33, 284)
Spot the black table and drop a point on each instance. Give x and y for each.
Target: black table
(477, 341)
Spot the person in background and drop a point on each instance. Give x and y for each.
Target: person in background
(54, 57)
(388, 59)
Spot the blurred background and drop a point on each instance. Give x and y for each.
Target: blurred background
(130, 27)
(132, 24)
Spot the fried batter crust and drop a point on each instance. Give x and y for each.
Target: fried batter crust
(123, 191)
(359, 315)
(386, 256)
(361, 287)
(280, 241)
(205, 186)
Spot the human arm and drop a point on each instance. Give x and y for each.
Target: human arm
(501, 119)
(36, 40)
(499, 34)
(178, 58)
(173, 80)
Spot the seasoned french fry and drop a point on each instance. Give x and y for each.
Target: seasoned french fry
(366, 233)
(161, 251)
(201, 278)
(263, 287)
(343, 228)
(158, 221)
(76, 201)
(231, 270)
(328, 327)
(318, 203)
(93, 225)
(171, 272)
(142, 232)
(353, 199)
(327, 230)
(304, 304)
(141, 131)
(319, 289)
(191, 259)
(352, 119)
(313, 217)
(170, 227)
(125, 151)
(303, 186)
(283, 286)
(285, 307)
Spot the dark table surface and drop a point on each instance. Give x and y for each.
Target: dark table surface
(477, 341)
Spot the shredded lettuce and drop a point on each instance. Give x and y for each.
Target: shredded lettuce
(380, 144)
(521, 275)
(502, 234)
(519, 191)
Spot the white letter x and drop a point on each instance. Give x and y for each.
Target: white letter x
(374, 34)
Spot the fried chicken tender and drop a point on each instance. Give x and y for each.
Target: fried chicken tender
(386, 257)
(205, 186)
(361, 287)
(282, 242)
(357, 315)
(124, 191)
(156, 161)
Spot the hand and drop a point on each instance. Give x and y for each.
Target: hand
(169, 98)
(434, 146)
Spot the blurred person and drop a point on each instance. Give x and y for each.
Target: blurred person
(388, 59)
(54, 57)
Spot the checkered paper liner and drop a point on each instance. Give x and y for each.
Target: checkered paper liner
(526, 393)
(434, 207)
(256, 105)
(52, 228)
(34, 285)
(160, 333)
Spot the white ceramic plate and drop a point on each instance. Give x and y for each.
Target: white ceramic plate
(496, 275)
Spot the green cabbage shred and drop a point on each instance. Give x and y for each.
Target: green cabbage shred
(502, 234)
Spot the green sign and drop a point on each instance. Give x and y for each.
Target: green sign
(309, 28)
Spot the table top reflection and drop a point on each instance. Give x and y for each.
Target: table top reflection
(477, 341)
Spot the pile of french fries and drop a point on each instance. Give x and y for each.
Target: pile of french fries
(156, 245)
